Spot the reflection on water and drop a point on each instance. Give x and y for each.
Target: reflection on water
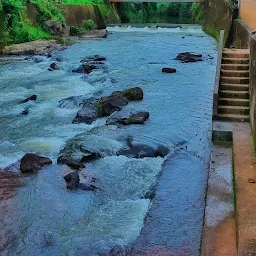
(43, 217)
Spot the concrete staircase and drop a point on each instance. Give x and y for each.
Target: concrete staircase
(233, 102)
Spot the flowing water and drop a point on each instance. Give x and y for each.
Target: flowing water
(42, 217)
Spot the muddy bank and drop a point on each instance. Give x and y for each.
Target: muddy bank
(45, 47)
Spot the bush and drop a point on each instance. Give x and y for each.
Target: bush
(89, 24)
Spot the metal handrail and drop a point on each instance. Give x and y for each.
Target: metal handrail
(217, 77)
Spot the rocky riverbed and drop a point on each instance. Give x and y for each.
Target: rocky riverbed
(102, 153)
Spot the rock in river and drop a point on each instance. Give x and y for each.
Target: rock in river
(189, 57)
(93, 58)
(144, 147)
(54, 66)
(33, 162)
(169, 70)
(133, 94)
(33, 97)
(109, 104)
(87, 114)
(84, 147)
(128, 117)
(91, 63)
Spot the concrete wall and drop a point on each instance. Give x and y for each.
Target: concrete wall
(253, 84)
(241, 34)
(245, 38)
(100, 14)
(218, 15)
(75, 14)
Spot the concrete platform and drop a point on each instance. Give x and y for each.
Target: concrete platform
(245, 184)
(219, 233)
(242, 224)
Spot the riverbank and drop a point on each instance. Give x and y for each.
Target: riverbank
(46, 47)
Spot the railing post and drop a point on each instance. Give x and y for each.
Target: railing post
(217, 77)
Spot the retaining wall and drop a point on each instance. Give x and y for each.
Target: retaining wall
(75, 14)
(219, 15)
(245, 38)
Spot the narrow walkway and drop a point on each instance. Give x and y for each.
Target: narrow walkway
(245, 181)
(219, 233)
(229, 233)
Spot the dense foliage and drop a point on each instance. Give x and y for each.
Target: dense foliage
(15, 25)
(160, 12)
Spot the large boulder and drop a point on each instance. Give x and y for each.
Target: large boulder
(189, 57)
(55, 28)
(128, 117)
(32, 162)
(84, 147)
(109, 104)
(133, 94)
(143, 147)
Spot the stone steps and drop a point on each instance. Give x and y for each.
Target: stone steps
(236, 110)
(233, 118)
(234, 102)
(234, 80)
(234, 87)
(234, 94)
(235, 61)
(237, 55)
(235, 73)
(235, 67)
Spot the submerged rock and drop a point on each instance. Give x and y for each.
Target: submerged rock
(24, 112)
(91, 63)
(127, 118)
(73, 182)
(54, 66)
(87, 114)
(117, 251)
(84, 147)
(33, 97)
(85, 69)
(93, 58)
(169, 70)
(143, 147)
(72, 179)
(73, 102)
(189, 57)
(33, 162)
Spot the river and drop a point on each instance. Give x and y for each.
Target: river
(42, 217)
